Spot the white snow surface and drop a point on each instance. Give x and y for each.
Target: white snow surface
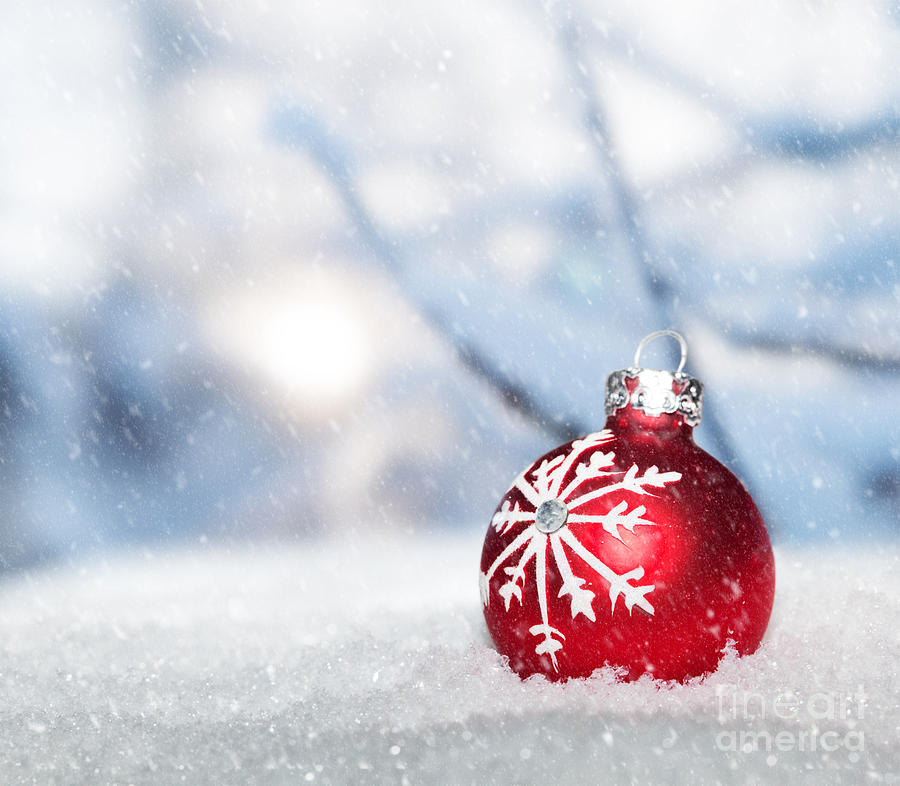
(367, 661)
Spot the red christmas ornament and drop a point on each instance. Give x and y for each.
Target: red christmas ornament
(631, 546)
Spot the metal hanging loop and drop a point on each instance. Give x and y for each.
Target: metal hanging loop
(658, 334)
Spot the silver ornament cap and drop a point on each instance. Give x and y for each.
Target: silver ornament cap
(653, 391)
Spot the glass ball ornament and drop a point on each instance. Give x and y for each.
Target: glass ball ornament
(630, 547)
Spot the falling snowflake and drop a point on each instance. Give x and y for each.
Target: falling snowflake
(549, 507)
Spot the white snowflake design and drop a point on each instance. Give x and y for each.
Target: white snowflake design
(545, 484)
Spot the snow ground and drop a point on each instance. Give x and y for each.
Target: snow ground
(368, 662)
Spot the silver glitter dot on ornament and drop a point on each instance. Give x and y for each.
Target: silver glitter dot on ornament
(551, 515)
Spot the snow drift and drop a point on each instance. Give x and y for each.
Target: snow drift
(367, 661)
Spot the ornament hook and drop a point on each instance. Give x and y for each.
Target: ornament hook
(658, 334)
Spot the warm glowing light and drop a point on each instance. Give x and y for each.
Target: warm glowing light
(313, 347)
(311, 343)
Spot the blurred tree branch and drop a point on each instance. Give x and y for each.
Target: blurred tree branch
(299, 128)
(664, 294)
(850, 357)
(787, 136)
(766, 135)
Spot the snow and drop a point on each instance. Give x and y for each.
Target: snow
(244, 248)
(367, 660)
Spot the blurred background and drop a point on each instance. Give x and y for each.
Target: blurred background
(274, 270)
